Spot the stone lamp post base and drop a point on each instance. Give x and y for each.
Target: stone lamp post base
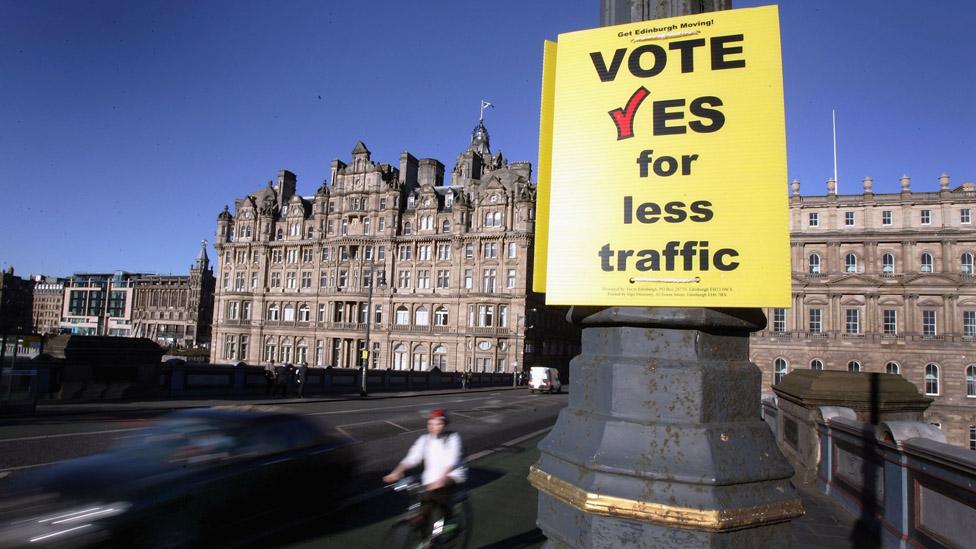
(662, 444)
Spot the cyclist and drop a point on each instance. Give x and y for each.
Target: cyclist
(441, 453)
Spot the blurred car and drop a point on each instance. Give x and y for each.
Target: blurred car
(195, 475)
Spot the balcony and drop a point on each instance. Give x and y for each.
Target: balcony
(489, 331)
(411, 329)
(355, 326)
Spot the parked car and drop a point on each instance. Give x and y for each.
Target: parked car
(544, 379)
(194, 476)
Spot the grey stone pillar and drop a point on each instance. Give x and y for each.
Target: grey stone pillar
(662, 444)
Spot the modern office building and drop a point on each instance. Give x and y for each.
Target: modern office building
(883, 283)
(420, 267)
(98, 304)
(176, 311)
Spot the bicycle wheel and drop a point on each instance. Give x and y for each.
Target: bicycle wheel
(402, 535)
(465, 524)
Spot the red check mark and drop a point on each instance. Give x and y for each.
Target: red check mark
(624, 118)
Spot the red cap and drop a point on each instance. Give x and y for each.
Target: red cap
(437, 413)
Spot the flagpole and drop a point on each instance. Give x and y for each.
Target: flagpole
(833, 118)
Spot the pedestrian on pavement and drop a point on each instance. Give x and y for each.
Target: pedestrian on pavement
(300, 374)
(282, 375)
(269, 377)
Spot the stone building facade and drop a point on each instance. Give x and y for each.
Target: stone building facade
(48, 304)
(432, 268)
(175, 311)
(883, 283)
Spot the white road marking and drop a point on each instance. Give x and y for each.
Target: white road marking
(8, 469)
(337, 412)
(508, 444)
(395, 425)
(62, 435)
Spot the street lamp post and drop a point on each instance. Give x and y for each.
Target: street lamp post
(369, 308)
(515, 364)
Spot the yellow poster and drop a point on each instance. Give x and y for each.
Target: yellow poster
(666, 181)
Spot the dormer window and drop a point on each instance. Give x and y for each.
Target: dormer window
(449, 200)
(411, 201)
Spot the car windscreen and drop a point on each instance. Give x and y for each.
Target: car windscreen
(183, 440)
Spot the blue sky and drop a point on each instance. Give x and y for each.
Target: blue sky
(126, 126)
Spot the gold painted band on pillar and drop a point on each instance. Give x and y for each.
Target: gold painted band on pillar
(713, 520)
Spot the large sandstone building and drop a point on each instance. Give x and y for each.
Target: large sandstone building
(48, 304)
(431, 269)
(175, 310)
(883, 283)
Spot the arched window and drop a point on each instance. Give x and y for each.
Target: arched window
(301, 352)
(816, 364)
(854, 366)
(286, 350)
(498, 219)
(926, 262)
(407, 228)
(931, 379)
(303, 313)
(971, 381)
(966, 263)
(892, 368)
(440, 358)
(814, 263)
(779, 370)
(440, 317)
(446, 226)
(850, 263)
(402, 316)
(888, 263)
(273, 311)
(421, 316)
(400, 357)
(419, 359)
(270, 350)
(289, 313)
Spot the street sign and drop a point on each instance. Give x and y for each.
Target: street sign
(662, 164)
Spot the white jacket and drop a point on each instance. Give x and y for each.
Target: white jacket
(439, 455)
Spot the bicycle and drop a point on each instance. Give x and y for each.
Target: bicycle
(452, 534)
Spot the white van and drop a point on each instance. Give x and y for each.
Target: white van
(544, 379)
